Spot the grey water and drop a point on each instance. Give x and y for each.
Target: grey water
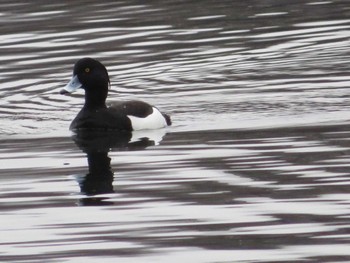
(255, 167)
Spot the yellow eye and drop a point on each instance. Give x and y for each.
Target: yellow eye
(87, 70)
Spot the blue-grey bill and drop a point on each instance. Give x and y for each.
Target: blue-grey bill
(72, 85)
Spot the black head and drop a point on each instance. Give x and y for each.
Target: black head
(91, 73)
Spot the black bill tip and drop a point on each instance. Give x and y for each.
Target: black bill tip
(63, 92)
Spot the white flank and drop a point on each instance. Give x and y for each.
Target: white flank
(151, 122)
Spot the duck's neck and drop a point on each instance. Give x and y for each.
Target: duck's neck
(95, 100)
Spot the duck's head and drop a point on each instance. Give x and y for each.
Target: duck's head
(88, 74)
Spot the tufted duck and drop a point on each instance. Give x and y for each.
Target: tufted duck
(92, 76)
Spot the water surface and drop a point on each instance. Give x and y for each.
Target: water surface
(254, 168)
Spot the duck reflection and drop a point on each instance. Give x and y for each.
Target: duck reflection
(99, 180)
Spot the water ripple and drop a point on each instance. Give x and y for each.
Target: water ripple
(257, 159)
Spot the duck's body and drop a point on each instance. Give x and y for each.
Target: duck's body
(123, 116)
(92, 76)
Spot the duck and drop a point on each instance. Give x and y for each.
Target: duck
(92, 76)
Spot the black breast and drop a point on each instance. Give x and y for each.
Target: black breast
(101, 119)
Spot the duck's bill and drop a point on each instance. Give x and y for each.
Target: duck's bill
(72, 86)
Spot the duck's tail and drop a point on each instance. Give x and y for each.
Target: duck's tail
(167, 119)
